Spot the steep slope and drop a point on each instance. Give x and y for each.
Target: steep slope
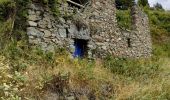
(29, 73)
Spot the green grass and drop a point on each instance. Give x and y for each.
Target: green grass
(127, 78)
(25, 71)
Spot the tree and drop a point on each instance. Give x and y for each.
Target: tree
(158, 6)
(123, 4)
(7, 9)
(143, 3)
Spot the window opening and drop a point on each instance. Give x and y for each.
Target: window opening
(67, 32)
(129, 42)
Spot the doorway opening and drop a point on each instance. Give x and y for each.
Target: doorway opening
(80, 48)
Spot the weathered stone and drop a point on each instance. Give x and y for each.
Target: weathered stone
(72, 29)
(62, 32)
(31, 37)
(42, 24)
(71, 98)
(32, 18)
(38, 13)
(62, 20)
(104, 47)
(32, 23)
(49, 25)
(31, 31)
(34, 41)
(98, 38)
(31, 12)
(47, 33)
(97, 26)
(36, 7)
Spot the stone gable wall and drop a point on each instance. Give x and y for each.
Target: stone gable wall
(96, 23)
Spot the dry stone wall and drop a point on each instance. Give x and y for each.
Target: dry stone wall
(96, 24)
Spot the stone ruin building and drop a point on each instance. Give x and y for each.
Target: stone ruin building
(91, 32)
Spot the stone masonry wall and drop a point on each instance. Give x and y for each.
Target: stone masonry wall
(96, 24)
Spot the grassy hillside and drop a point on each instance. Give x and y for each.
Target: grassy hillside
(30, 74)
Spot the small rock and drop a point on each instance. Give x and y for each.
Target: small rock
(38, 13)
(98, 38)
(31, 31)
(31, 37)
(32, 23)
(62, 32)
(68, 21)
(36, 7)
(34, 41)
(104, 47)
(90, 46)
(47, 33)
(71, 98)
(31, 12)
(72, 29)
(42, 24)
(49, 25)
(62, 20)
(32, 18)
(107, 40)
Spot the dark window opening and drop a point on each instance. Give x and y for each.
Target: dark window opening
(67, 32)
(129, 42)
(80, 48)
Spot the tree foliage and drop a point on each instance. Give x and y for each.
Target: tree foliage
(7, 8)
(143, 3)
(123, 4)
(158, 6)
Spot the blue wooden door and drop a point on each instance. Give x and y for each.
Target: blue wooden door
(80, 48)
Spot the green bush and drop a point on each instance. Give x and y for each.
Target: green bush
(132, 67)
(159, 20)
(124, 18)
(6, 9)
(162, 50)
(53, 5)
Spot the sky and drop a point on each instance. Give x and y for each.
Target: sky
(165, 3)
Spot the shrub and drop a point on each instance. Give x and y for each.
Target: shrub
(124, 18)
(132, 67)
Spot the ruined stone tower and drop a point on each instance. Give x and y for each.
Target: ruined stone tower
(91, 32)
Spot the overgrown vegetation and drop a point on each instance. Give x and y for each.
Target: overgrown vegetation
(25, 73)
(124, 19)
(53, 5)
